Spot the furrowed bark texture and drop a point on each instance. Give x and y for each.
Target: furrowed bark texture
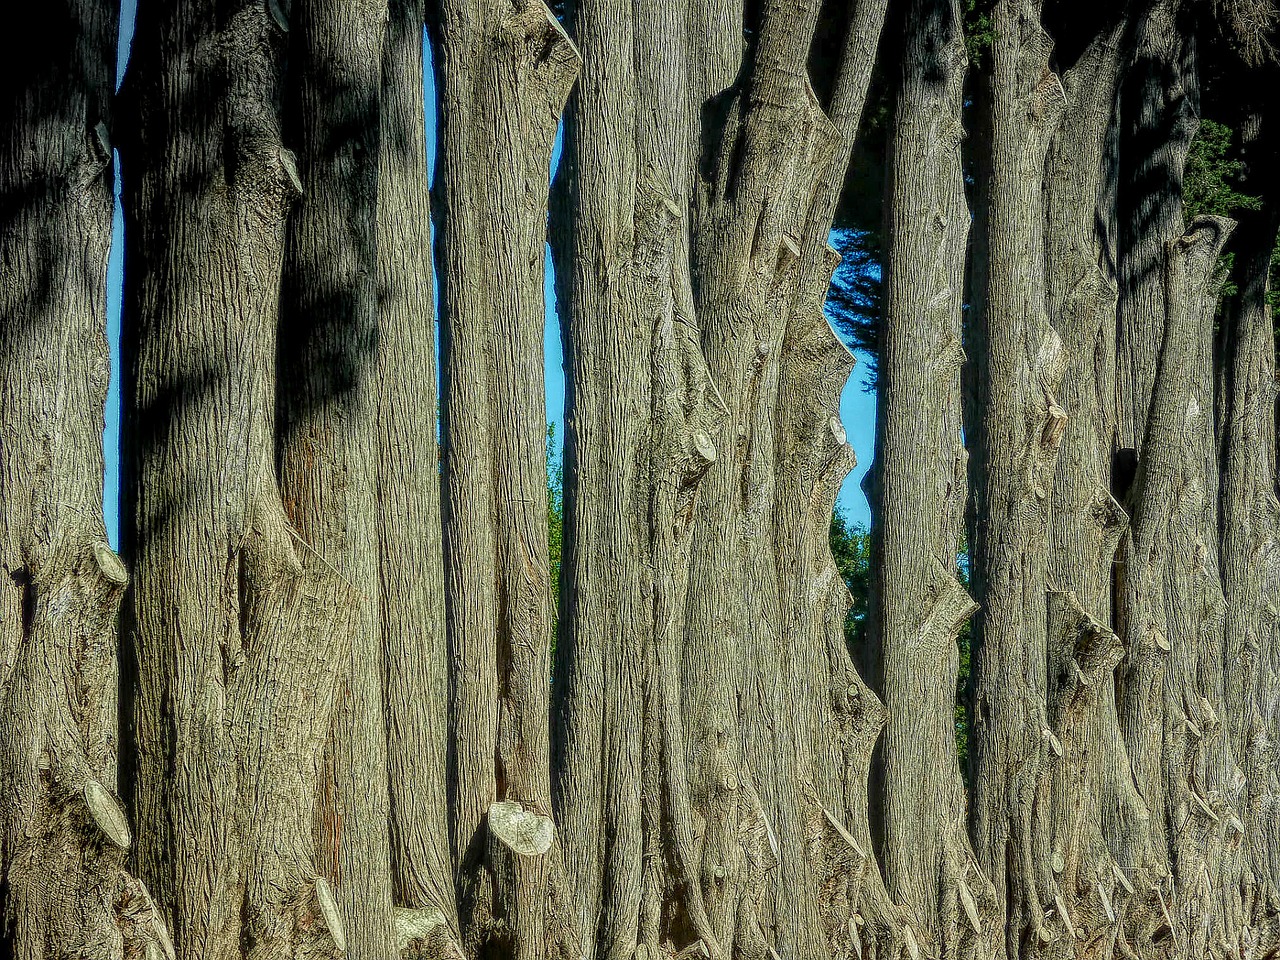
(504, 70)
(239, 632)
(410, 559)
(1019, 360)
(64, 834)
(920, 490)
(329, 440)
(1101, 847)
(762, 772)
(1173, 605)
(1249, 517)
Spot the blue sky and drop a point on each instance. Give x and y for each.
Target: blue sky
(857, 407)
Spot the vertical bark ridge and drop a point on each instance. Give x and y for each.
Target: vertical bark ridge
(328, 443)
(1019, 360)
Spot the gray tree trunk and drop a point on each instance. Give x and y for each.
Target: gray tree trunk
(329, 439)
(410, 559)
(239, 631)
(1019, 359)
(920, 489)
(751, 750)
(1249, 517)
(65, 890)
(1102, 844)
(504, 70)
(1173, 604)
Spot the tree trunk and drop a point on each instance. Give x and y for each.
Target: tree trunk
(329, 439)
(504, 69)
(1173, 602)
(1102, 847)
(1019, 360)
(239, 631)
(410, 559)
(1249, 518)
(65, 889)
(920, 491)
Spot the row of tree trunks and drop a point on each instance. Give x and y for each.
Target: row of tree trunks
(65, 890)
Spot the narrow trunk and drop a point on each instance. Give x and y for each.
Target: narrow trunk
(239, 632)
(1019, 360)
(920, 491)
(504, 70)
(65, 891)
(410, 560)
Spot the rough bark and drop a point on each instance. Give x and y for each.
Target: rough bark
(920, 491)
(742, 801)
(328, 446)
(1019, 360)
(65, 890)
(239, 631)
(410, 560)
(1248, 539)
(1102, 849)
(504, 70)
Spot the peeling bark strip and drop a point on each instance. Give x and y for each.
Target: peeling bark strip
(920, 490)
(63, 834)
(410, 561)
(504, 70)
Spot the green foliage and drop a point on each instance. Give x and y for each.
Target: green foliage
(851, 547)
(1213, 172)
(555, 523)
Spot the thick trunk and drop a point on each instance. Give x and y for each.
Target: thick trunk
(1019, 361)
(1173, 603)
(504, 70)
(239, 632)
(329, 436)
(1248, 532)
(920, 491)
(65, 889)
(410, 559)
(1101, 825)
